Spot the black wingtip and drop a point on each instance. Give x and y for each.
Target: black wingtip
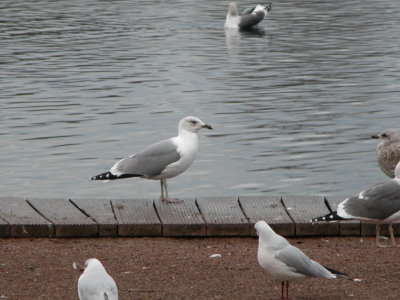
(336, 272)
(104, 176)
(111, 176)
(329, 217)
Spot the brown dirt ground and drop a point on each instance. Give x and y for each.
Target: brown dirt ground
(180, 268)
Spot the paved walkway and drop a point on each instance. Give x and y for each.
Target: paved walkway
(203, 216)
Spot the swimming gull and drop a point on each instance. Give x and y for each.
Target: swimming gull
(285, 262)
(161, 160)
(95, 283)
(248, 18)
(388, 151)
(378, 204)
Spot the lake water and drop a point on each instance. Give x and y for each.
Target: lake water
(293, 104)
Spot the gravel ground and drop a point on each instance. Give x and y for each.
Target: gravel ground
(181, 268)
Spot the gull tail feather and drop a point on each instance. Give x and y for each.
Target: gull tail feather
(333, 216)
(336, 272)
(342, 275)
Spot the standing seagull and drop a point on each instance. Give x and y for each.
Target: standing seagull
(378, 204)
(285, 262)
(161, 160)
(248, 18)
(95, 283)
(388, 151)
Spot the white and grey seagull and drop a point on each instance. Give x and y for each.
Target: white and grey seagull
(161, 160)
(95, 283)
(388, 151)
(248, 18)
(285, 262)
(379, 204)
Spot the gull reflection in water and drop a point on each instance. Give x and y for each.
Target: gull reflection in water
(234, 36)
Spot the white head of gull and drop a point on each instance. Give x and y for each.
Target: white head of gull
(95, 283)
(285, 262)
(162, 160)
(388, 151)
(248, 18)
(379, 204)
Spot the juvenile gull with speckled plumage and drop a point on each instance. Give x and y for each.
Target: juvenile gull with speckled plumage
(161, 160)
(388, 151)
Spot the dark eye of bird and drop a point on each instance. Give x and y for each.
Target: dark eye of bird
(193, 122)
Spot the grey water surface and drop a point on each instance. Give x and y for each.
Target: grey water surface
(293, 103)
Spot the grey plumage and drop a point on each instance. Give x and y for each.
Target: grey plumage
(149, 162)
(301, 263)
(161, 160)
(249, 10)
(285, 262)
(249, 18)
(248, 21)
(378, 204)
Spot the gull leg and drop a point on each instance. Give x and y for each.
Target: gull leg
(378, 230)
(287, 290)
(392, 235)
(162, 189)
(284, 290)
(166, 188)
(169, 200)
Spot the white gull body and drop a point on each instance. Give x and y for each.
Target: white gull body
(379, 204)
(161, 160)
(285, 262)
(95, 283)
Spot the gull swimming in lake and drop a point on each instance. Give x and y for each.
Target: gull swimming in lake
(285, 262)
(378, 204)
(388, 151)
(95, 283)
(248, 18)
(161, 160)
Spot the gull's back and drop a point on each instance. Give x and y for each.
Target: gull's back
(97, 286)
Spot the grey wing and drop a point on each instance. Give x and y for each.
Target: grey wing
(111, 289)
(149, 162)
(301, 263)
(248, 21)
(248, 10)
(377, 202)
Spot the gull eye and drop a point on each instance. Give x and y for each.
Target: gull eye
(384, 135)
(194, 122)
